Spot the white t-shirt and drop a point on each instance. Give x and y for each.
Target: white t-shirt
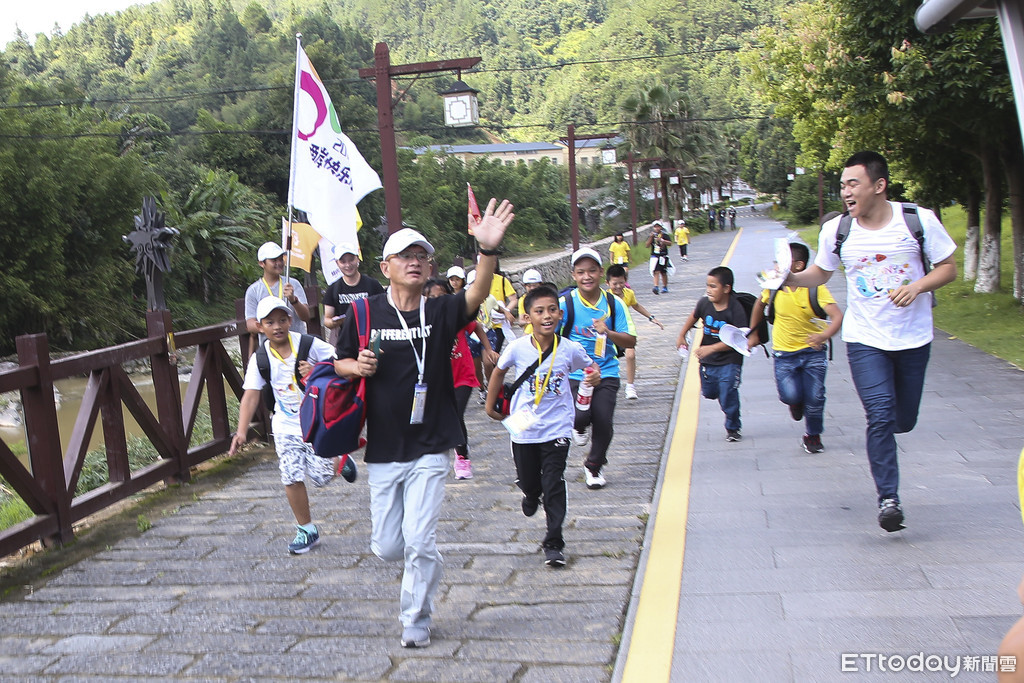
(555, 410)
(287, 394)
(876, 262)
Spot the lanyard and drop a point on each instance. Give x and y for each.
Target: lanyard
(591, 306)
(423, 334)
(291, 343)
(280, 288)
(539, 389)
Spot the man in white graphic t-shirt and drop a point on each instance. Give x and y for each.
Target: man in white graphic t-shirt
(888, 323)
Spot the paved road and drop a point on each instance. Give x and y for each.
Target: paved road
(784, 566)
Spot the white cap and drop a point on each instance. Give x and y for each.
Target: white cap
(471, 278)
(402, 240)
(585, 252)
(269, 250)
(343, 248)
(456, 271)
(532, 277)
(269, 304)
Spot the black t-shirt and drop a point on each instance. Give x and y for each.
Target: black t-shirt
(657, 248)
(340, 294)
(734, 314)
(389, 393)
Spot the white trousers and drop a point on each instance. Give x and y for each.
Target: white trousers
(405, 505)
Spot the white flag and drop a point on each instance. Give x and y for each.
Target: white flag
(329, 175)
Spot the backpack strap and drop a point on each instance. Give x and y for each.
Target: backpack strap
(263, 362)
(913, 221)
(305, 344)
(812, 296)
(769, 309)
(842, 232)
(570, 314)
(361, 308)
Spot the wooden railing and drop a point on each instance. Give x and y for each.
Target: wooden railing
(48, 485)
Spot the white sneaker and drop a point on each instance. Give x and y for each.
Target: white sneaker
(631, 392)
(594, 481)
(581, 439)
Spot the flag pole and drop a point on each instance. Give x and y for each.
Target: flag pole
(287, 239)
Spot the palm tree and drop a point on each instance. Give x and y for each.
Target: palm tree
(216, 222)
(667, 127)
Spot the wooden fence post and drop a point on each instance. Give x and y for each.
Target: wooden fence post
(44, 447)
(168, 391)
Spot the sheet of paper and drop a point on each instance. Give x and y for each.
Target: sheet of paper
(773, 277)
(735, 337)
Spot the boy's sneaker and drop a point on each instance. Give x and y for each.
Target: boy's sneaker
(304, 540)
(483, 397)
(655, 290)
(581, 439)
(554, 558)
(797, 411)
(664, 290)
(530, 505)
(812, 443)
(346, 468)
(595, 479)
(415, 636)
(733, 435)
(463, 468)
(631, 392)
(890, 515)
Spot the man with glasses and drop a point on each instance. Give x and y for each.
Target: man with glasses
(412, 420)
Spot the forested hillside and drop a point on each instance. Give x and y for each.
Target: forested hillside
(190, 100)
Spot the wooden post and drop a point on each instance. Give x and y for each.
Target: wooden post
(574, 213)
(168, 391)
(44, 447)
(632, 196)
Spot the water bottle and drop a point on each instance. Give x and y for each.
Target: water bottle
(585, 392)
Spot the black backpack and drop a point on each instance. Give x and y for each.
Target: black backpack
(570, 316)
(747, 300)
(263, 365)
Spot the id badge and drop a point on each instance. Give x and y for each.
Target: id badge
(419, 401)
(520, 421)
(600, 341)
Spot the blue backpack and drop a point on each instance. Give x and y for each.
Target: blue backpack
(333, 410)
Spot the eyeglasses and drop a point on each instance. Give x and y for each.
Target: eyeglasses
(421, 256)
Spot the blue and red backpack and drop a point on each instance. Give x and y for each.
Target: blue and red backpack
(333, 410)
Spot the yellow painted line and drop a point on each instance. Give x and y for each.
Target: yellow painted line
(653, 640)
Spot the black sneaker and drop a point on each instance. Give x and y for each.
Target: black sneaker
(554, 558)
(890, 515)
(530, 505)
(797, 411)
(812, 444)
(733, 435)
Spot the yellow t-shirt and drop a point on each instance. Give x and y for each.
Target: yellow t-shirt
(619, 252)
(793, 316)
(682, 235)
(501, 290)
(628, 297)
(528, 330)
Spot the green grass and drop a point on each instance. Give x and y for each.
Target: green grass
(993, 322)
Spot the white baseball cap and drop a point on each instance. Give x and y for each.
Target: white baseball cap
(532, 276)
(269, 250)
(269, 304)
(471, 278)
(343, 248)
(456, 271)
(402, 240)
(585, 252)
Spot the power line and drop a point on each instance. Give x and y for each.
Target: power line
(189, 94)
(422, 129)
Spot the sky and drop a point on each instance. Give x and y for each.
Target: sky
(38, 16)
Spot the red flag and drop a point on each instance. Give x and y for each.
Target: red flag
(474, 210)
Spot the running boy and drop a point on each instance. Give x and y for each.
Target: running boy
(798, 345)
(682, 237)
(541, 416)
(296, 458)
(588, 318)
(615, 276)
(720, 365)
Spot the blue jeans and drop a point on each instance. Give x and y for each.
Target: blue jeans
(723, 382)
(800, 379)
(889, 384)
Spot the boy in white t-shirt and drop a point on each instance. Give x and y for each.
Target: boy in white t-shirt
(296, 458)
(888, 322)
(541, 416)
